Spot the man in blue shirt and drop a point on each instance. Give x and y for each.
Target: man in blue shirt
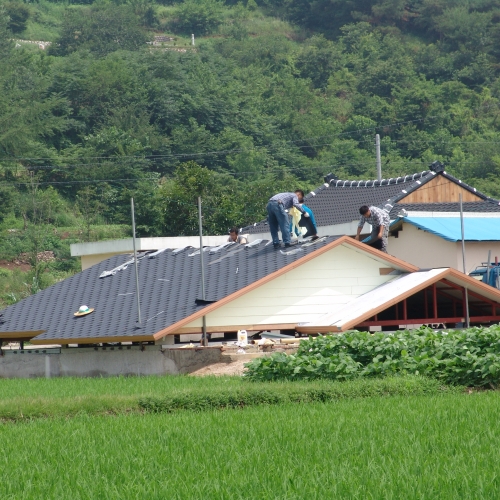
(278, 217)
(308, 222)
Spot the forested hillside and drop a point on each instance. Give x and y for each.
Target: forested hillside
(272, 95)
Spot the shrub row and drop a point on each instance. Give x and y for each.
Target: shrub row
(468, 357)
(281, 393)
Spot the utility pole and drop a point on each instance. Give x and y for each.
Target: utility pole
(488, 268)
(379, 159)
(467, 320)
(135, 260)
(204, 339)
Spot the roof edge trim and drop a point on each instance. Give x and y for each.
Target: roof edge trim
(94, 340)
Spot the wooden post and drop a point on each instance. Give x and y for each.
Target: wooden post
(434, 301)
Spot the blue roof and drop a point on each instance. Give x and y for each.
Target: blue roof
(448, 228)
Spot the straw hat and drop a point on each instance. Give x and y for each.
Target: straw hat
(84, 310)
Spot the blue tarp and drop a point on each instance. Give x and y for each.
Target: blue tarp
(475, 228)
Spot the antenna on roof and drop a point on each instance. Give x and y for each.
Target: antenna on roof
(379, 159)
(135, 260)
(204, 340)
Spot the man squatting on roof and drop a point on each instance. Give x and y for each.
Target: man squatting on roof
(278, 217)
(236, 237)
(379, 220)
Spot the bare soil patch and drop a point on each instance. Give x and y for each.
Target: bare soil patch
(233, 368)
(8, 264)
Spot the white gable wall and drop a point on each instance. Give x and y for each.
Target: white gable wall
(304, 293)
(426, 250)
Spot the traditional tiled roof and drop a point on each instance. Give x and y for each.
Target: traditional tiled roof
(337, 201)
(170, 290)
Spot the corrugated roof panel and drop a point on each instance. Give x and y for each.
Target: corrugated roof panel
(376, 298)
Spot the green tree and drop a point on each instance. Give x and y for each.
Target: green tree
(198, 16)
(18, 14)
(90, 205)
(101, 29)
(219, 193)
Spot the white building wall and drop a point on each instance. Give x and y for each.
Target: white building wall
(304, 293)
(427, 250)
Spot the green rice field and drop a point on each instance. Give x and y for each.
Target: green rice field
(442, 445)
(418, 447)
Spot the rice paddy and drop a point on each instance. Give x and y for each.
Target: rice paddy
(407, 446)
(443, 446)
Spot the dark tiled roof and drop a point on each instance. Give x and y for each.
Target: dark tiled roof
(475, 206)
(338, 201)
(169, 288)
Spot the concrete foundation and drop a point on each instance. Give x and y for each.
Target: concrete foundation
(106, 361)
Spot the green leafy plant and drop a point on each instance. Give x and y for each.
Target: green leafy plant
(461, 357)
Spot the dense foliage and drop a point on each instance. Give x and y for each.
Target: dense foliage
(272, 96)
(462, 357)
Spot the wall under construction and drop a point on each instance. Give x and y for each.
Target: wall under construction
(105, 362)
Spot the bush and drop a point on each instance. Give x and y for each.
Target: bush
(461, 357)
(281, 393)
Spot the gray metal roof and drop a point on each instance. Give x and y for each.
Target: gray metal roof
(169, 284)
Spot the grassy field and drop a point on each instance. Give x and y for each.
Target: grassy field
(402, 447)
(23, 399)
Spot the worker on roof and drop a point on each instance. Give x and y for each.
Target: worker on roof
(302, 225)
(235, 237)
(277, 215)
(379, 220)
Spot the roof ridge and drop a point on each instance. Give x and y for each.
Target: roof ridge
(332, 181)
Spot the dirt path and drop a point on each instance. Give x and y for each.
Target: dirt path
(233, 368)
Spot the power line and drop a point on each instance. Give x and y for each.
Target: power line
(228, 151)
(119, 160)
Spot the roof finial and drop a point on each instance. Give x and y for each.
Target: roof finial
(437, 167)
(330, 178)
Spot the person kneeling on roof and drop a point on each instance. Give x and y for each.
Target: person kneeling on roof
(235, 237)
(302, 225)
(278, 217)
(379, 220)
